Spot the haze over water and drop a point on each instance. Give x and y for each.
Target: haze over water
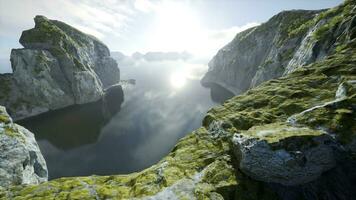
(165, 104)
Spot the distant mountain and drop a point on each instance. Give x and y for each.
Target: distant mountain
(151, 56)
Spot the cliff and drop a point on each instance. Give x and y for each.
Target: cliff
(289, 40)
(292, 138)
(21, 161)
(59, 66)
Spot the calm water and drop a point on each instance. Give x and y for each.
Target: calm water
(156, 112)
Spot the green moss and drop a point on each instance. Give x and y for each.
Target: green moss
(287, 54)
(81, 194)
(220, 174)
(4, 118)
(265, 107)
(275, 132)
(340, 48)
(294, 24)
(302, 29)
(189, 157)
(44, 32)
(79, 65)
(10, 131)
(334, 17)
(60, 41)
(338, 118)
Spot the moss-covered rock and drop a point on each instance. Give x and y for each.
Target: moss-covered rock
(202, 165)
(206, 152)
(72, 46)
(284, 154)
(287, 41)
(62, 66)
(21, 161)
(258, 54)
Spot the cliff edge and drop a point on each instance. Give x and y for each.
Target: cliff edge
(290, 138)
(287, 41)
(58, 66)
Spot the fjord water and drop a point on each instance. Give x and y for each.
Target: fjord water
(156, 112)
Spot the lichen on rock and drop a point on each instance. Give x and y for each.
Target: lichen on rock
(270, 155)
(283, 154)
(287, 41)
(62, 66)
(21, 161)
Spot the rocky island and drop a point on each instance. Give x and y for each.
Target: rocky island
(59, 66)
(290, 134)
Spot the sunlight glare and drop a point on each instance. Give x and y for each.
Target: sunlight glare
(178, 80)
(177, 28)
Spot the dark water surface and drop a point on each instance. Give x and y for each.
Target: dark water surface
(154, 115)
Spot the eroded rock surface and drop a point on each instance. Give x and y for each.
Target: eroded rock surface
(202, 165)
(289, 40)
(284, 154)
(59, 66)
(21, 161)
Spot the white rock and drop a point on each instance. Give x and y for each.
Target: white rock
(21, 161)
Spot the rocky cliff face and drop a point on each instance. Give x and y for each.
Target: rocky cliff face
(21, 161)
(287, 41)
(58, 67)
(289, 138)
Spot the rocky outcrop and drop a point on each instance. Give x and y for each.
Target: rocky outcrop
(290, 120)
(59, 66)
(21, 161)
(113, 98)
(287, 41)
(268, 154)
(291, 153)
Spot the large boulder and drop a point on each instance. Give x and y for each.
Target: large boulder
(308, 144)
(298, 115)
(21, 161)
(284, 154)
(59, 66)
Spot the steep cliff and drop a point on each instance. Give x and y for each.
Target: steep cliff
(289, 40)
(58, 67)
(21, 161)
(289, 138)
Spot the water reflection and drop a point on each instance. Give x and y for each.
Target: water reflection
(153, 117)
(75, 125)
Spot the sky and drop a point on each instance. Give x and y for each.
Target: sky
(196, 26)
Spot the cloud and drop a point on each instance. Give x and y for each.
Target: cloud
(231, 32)
(94, 17)
(105, 20)
(216, 39)
(145, 5)
(119, 24)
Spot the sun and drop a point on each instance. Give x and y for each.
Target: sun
(176, 28)
(178, 80)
